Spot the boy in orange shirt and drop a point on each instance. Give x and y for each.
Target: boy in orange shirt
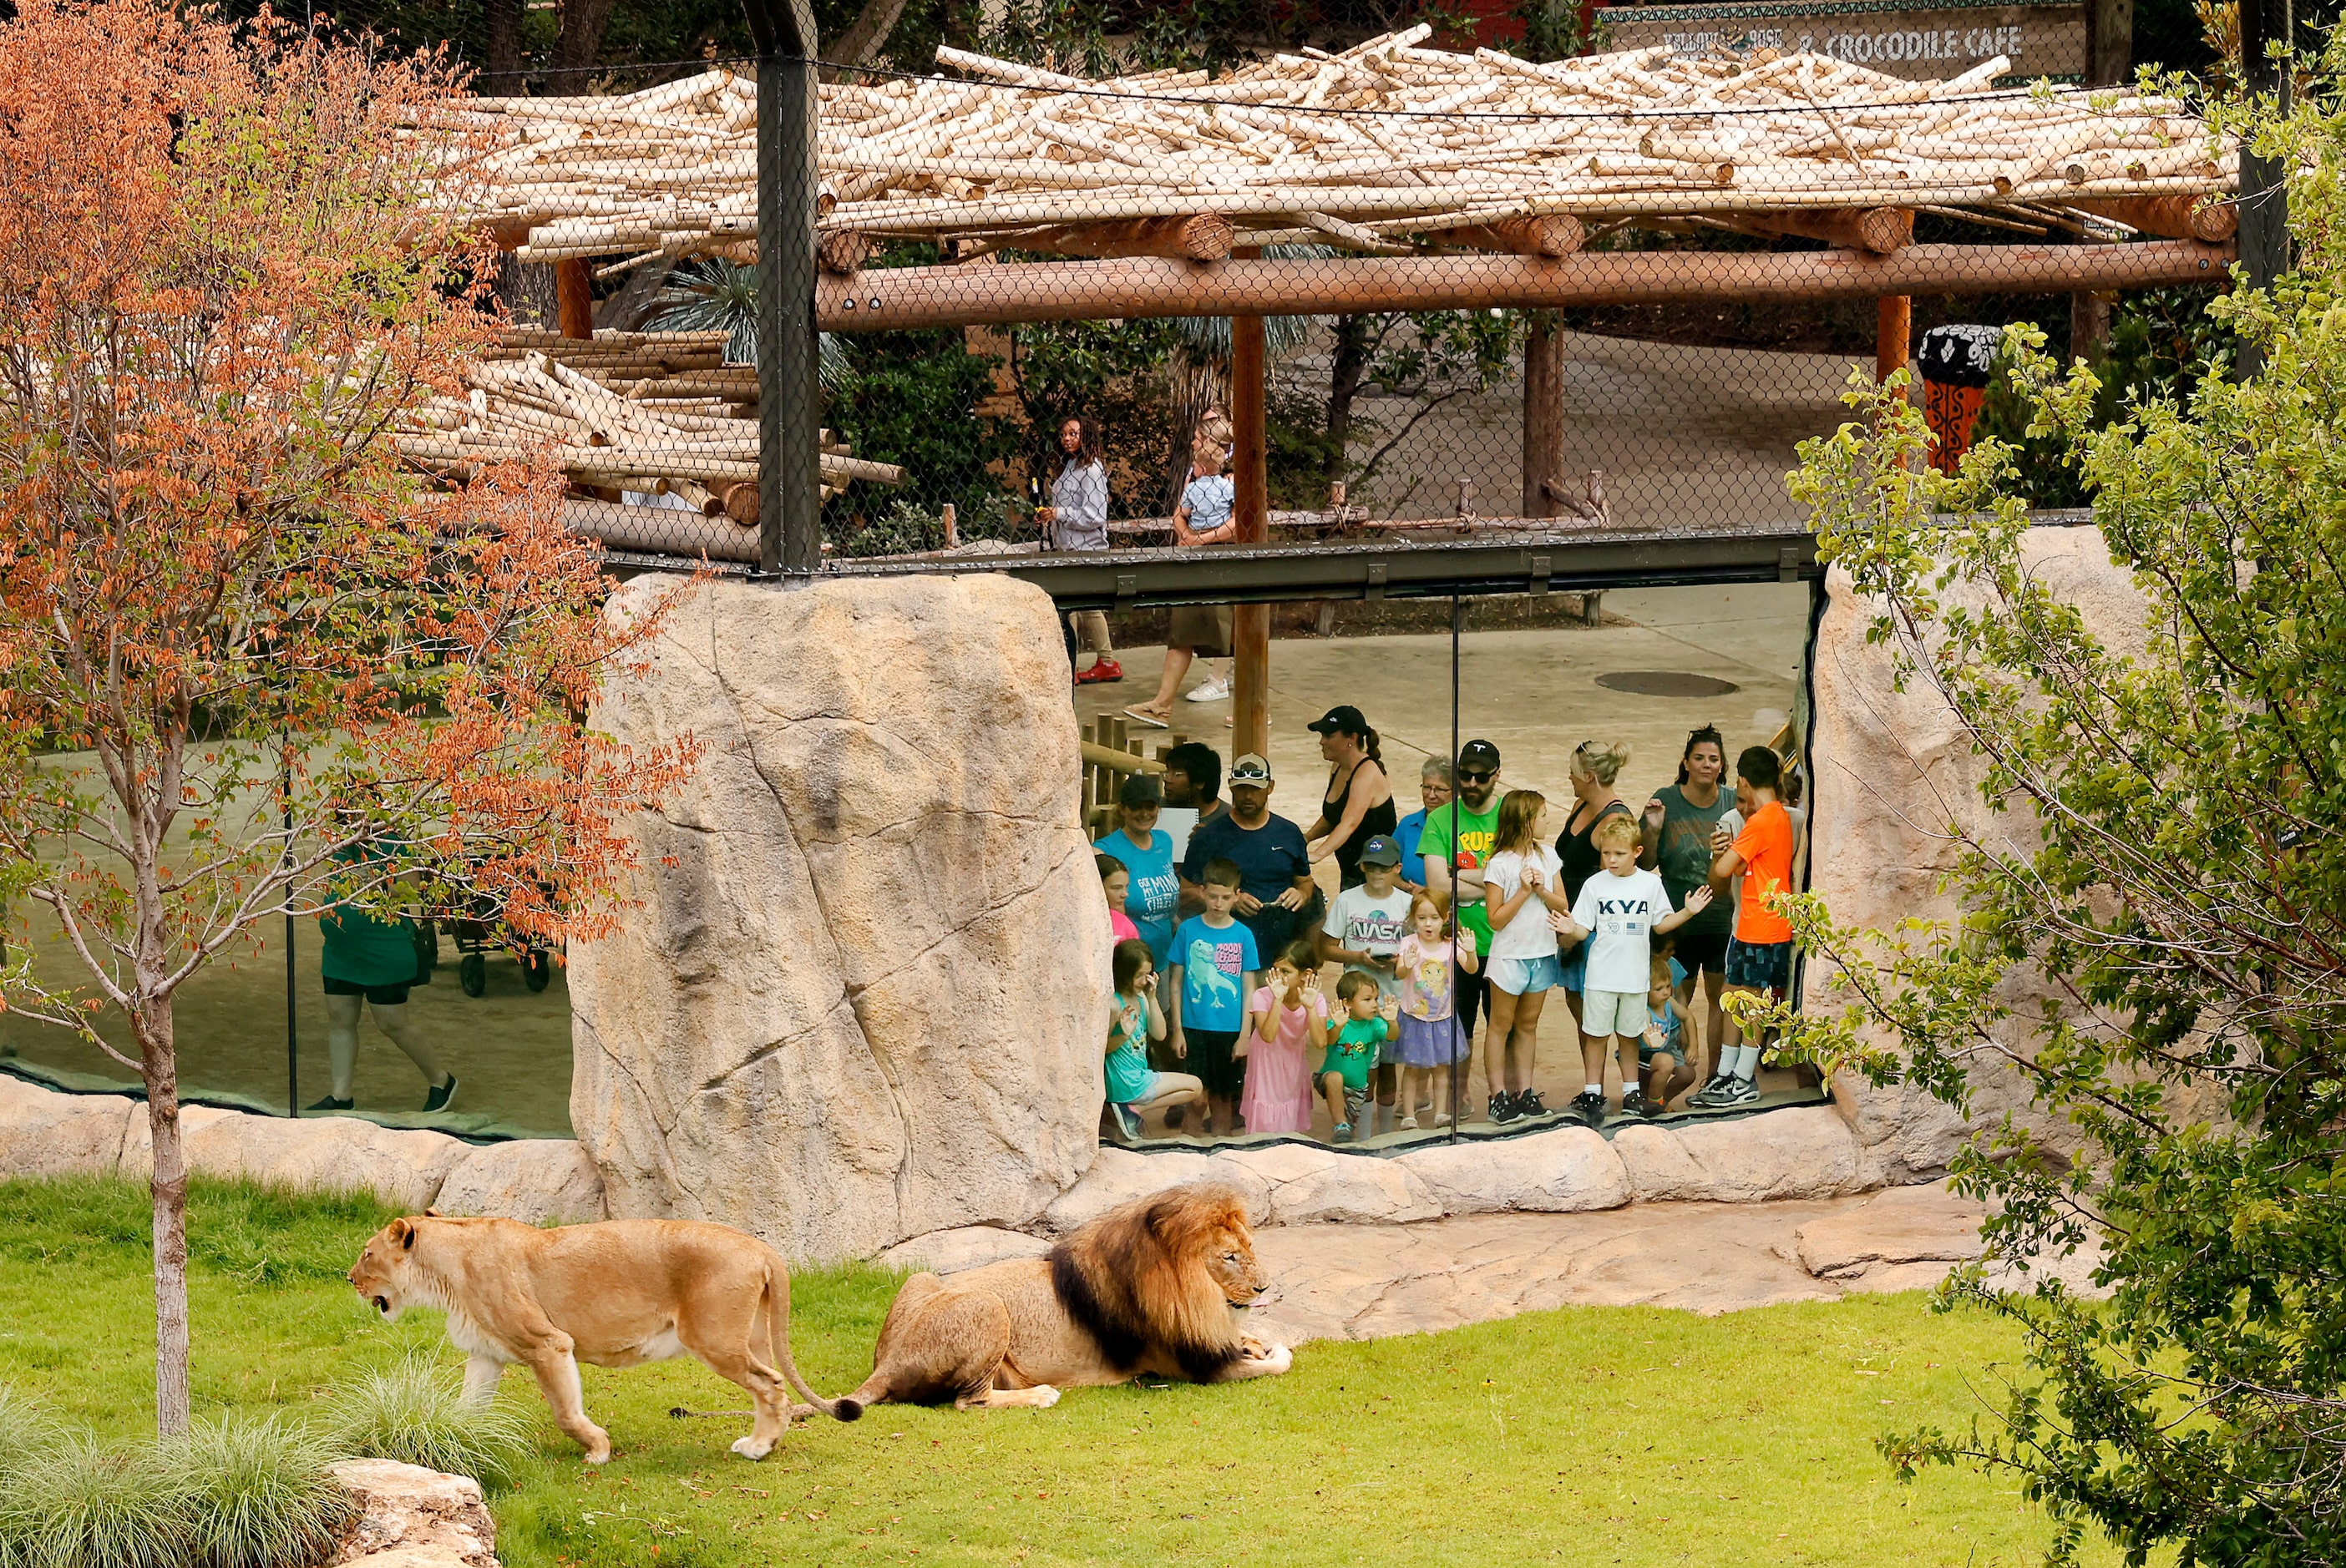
(1759, 953)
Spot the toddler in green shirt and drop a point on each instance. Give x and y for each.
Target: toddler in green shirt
(1353, 1052)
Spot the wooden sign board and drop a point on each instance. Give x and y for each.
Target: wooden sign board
(1919, 43)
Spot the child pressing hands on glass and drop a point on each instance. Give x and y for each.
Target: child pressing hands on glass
(1288, 1029)
(1133, 1088)
(1352, 1051)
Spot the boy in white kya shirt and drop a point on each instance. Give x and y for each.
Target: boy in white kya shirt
(1619, 911)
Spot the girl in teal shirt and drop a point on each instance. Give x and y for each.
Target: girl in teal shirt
(1134, 1019)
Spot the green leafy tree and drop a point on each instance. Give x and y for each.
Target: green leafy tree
(2170, 855)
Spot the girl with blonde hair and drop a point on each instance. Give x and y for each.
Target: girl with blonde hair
(1521, 886)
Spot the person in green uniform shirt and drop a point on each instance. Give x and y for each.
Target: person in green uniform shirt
(365, 958)
(1474, 811)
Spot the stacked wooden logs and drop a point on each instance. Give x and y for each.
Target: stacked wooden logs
(1386, 147)
(659, 413)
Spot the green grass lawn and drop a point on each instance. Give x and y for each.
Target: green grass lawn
(1588, 1435)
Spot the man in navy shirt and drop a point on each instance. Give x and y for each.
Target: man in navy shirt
(1274, 868)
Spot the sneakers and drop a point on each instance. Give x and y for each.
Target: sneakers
(1529, 1104)
(1589, 1107)
(437, 1099)
(1175, 1117)
(1406, 1125)
(1502, 1108)
(1737, 1092)
(1704, 1098)
(331, 1104)
(1215, 690)
(1127, 1121)
(1102, 669)
(1724, 1093)
(1343, 1135)
(1634, 1104)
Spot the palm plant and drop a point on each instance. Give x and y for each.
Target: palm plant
(710, 294)
(1201, 368)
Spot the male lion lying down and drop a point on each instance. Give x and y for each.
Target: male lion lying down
(1154, 1287)
(613, 1294)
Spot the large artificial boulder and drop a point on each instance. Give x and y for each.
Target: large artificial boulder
(46, 1134)
(411, 1517)
(1561, 1171)
(856, 995)
(1892, 779)
(538, 1181)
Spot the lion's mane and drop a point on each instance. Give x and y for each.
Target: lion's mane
(1140, 1275)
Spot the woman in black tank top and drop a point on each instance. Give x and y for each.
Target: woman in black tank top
(1594, 766)
(1359, 804)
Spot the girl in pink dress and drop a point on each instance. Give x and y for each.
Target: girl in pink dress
(1287, 1034)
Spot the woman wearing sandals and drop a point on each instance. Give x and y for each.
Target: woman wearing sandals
(1197, 631)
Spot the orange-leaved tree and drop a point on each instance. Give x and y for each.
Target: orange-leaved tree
(248, 665)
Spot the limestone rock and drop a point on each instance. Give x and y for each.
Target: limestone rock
(1561, 1171)
(1805, 1151)
(1892, 777)
(1118, 1176)
(1658, 1166)
(1310, 1184)
(1893, 1231)
(44, 1132)
(306, 1153)
(537, 1181)
(966, 1247)
(857, 993)
(416, 1518)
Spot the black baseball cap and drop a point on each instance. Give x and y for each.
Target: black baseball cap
(1341, 719)
(1479, 755)
(1380, 850)
(1141, 789)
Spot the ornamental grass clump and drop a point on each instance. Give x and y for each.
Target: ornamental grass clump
(88, 1504)
(412, 1413)
(256, 1492)
(235, 1492)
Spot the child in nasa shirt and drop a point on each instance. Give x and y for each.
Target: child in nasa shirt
(1619, 912)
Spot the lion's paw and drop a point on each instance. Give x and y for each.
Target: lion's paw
(1045, 1396)
(1264, 1361)
(752, 1447)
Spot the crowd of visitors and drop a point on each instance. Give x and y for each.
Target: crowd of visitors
(1483, 904)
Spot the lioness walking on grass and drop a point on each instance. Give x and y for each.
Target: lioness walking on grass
(613, 1294)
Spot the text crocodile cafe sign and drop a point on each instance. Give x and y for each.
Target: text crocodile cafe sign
(1919, 43)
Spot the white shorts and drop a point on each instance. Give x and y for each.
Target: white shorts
(1604, 1012)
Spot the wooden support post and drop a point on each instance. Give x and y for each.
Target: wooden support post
(1543, 415)
(1893, 329)
(1249, 624)
(2089, 326)
(574, 296)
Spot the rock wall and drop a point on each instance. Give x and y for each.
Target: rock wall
(1893, 777)
(858, 995)
(538, 1181)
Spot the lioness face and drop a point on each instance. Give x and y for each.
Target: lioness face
(383, 1272)
(1232, 1262)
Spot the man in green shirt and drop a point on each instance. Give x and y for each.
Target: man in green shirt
(1474, 811)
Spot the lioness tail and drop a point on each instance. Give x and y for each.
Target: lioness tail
(777, 1339)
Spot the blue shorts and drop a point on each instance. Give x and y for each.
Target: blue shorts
(1523, 976)
(1761, 965)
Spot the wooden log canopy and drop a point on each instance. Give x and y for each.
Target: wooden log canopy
(1884, 231)
(1549, 234)
(895, 299)
(1198, 237)
(2207, 218)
